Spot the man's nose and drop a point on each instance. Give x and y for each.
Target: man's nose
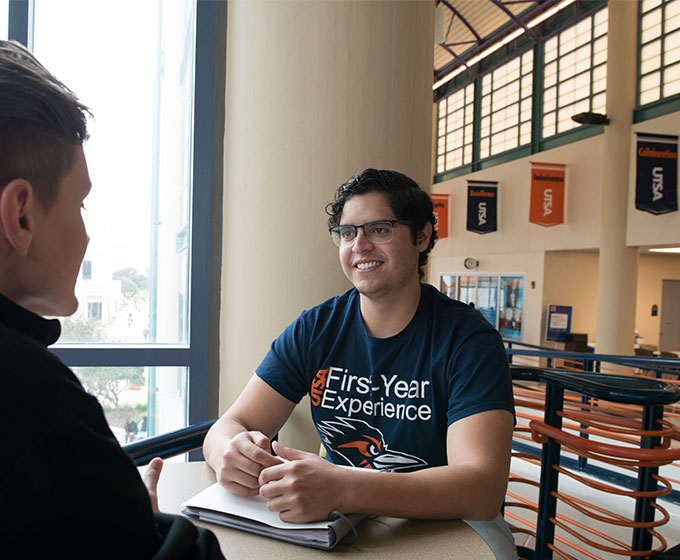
(361, 242)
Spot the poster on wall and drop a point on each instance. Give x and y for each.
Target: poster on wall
(511, 307)
(441, 213)
(447, 285)
(467, 290)
(656, 176)
(559, 323)
(487, 298)
(482, 206)
(547, 194)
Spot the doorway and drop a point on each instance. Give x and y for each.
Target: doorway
(669, 334)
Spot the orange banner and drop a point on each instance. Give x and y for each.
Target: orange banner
(547, 194)
(441, 213)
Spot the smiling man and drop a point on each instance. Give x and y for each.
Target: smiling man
(401, 378)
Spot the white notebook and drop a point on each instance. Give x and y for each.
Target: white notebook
(217, 505)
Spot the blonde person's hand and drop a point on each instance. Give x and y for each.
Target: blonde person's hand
(244, 458)
(305, 488)
(150, 478)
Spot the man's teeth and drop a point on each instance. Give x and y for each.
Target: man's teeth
(362, 266)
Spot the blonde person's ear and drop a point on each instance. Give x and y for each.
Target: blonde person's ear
(17, 207)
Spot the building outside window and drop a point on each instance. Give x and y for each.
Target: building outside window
(4, 19)
(94, 311)
(133, 65)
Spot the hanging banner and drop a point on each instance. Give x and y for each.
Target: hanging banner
(482, 206)
(441, 213)
(656, 182)
(547, 194)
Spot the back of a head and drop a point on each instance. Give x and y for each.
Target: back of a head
(407, 200)
(41, 123)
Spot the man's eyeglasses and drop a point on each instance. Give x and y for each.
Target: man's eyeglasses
(376, 232)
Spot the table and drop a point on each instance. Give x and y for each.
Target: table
(379, 538)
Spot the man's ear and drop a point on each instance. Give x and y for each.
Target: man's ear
(17, 207)
(424, 236)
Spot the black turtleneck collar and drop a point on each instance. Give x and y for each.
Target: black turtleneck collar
(13, 316)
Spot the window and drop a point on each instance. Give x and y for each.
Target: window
(659, 50)
(575, 73)
(524, 102)
(144, 294)
(482, 292)
(506, 106)
(94, 312)
(454, 135)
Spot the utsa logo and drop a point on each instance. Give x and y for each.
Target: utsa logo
(318, 385)
(362, 445)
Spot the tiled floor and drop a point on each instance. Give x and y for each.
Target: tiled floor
(619, 504)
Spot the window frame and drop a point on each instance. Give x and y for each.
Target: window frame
(200, 355)
(663, 105)
(519, 47)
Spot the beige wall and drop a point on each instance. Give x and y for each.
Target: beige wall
(316, 91)
(571, 279)
(563, 260)
(519, 246)
(646, 229)
(653, 270)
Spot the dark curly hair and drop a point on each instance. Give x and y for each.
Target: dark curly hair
(408, 202)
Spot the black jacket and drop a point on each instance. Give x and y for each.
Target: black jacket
(66, 485)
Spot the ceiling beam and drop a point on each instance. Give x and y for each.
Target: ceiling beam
(457, 14)
(519, 23)
(494, 38)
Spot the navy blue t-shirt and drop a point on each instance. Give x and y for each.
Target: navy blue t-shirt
(387, 403)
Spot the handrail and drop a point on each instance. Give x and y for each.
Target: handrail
(612, 358)
(544, 351)
(650, 394)
(168, 445)
(616, 388)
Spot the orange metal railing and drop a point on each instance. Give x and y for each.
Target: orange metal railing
(603, 434)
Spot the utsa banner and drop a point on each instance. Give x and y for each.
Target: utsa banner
(656, 182)
(441, 213)
(547, 194)
(482, 206)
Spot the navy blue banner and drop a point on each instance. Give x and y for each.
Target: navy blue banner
(656, 183)
(482, 208)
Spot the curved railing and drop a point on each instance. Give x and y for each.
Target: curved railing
(582, 414)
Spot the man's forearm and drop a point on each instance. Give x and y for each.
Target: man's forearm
(460, 492)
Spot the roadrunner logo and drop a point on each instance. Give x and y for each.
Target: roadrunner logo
(362, 445)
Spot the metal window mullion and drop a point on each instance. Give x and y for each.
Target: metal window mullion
(19, 21)
(477, 123)
(662, 38)
(123, 356)
(202, 178)
(592, 64)
(537, 96)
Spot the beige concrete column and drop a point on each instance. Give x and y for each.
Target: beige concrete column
(617, 275)
(316, 91)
